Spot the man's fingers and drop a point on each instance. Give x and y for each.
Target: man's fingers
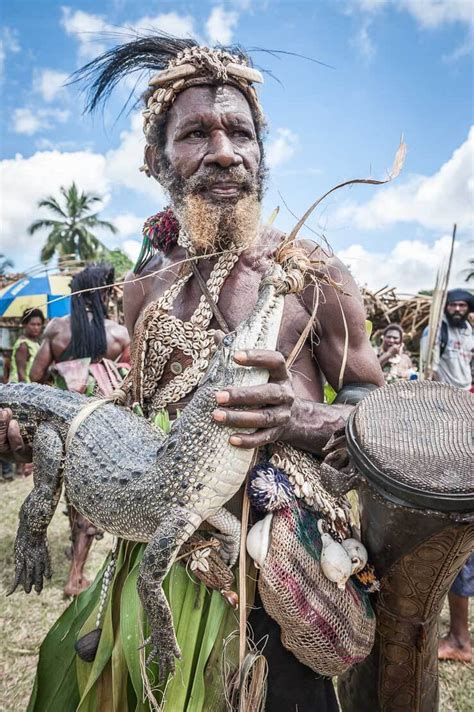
(254, 440)
(268, 394)
(14, 436)
(273, 361)
(263, 418)
(17, 447)
(5, 417)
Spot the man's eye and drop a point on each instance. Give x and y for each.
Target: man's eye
(241, 134)
(197, 133)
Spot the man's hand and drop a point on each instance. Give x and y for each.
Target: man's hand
(268, 407)
(12, 445)
(393, 350)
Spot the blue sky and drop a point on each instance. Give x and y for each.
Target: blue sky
(395, 67)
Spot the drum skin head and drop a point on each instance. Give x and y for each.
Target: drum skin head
(413, 442)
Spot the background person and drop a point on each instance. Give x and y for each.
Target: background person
(455, 341)
(393, 359)
(452, 364)
(26, 346)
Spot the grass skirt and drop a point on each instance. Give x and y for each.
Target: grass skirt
(117, 681)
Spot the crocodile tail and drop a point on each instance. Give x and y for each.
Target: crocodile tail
(29, 398)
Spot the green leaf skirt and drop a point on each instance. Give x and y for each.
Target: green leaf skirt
(117, 681)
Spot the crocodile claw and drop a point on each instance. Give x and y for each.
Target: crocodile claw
(32, 564)
(229, 548)
(164, 652)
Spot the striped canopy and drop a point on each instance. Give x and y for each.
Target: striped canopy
(36, 293)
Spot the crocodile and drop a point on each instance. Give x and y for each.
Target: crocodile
(130, 479)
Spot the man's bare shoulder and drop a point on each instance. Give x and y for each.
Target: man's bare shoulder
(335, 277)
(56, 326)
(117, 330)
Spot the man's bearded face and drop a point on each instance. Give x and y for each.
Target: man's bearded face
(456, 312)
(212, 168)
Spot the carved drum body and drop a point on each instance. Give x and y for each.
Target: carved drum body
(411, 445)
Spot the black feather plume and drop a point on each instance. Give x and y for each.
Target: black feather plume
(153, 53)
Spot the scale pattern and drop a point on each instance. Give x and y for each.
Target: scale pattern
(130, 479)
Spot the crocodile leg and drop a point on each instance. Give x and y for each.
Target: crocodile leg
(229, 534)
(32, 560)
(157, 560)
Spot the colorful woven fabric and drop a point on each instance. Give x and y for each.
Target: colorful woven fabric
(327, 629)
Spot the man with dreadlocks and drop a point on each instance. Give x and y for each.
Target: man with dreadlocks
(204, 128)
(79, 352)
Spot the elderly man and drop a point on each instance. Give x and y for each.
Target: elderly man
(203, 127)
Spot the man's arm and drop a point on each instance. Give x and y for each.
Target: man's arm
(21, 359)
(273, 408)
(44, 358)
(344, 355)
(387, 355)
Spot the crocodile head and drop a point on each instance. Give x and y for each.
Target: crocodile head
(258, 331)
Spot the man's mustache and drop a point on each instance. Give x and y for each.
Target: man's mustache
(207, 176)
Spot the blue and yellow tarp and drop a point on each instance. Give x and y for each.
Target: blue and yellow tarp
(40, 292)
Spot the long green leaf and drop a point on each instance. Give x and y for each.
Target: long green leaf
(187, 634)
(215, 616)
(60, 691)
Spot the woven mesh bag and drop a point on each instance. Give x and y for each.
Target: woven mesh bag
(327, 629)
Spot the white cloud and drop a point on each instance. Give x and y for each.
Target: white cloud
(363, 42)
(95, 34)
(86, 27)
(429, 13)
(220, 25)
(433, 13)
(410, 266)
(128, 224)
(8, 43)
(281, 148)
(29, 121)
(24, 181)
(131, 249)
(123, 163)
(170, 22)
(435, 202)
(49, 83)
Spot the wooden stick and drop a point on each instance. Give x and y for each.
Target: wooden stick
(243, 579)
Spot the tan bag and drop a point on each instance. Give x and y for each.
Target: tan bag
(326, 628)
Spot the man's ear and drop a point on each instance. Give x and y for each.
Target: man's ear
(151, 161)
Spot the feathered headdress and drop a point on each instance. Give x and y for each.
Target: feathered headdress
(179, 63)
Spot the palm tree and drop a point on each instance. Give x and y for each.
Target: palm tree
(5, 263)
(70, 233)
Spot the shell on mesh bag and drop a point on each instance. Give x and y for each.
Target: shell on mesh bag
(357, 554)
(335, 562)
(258, 540)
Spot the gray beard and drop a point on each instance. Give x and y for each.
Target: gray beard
(214, 226)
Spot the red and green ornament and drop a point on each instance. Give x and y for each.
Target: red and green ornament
(160, 234)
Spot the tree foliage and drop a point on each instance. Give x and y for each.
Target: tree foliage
(71, 229)
(5, 263)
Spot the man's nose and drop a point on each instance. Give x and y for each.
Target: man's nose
(221, 152)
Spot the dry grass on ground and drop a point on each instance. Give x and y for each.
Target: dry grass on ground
(24, 620)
